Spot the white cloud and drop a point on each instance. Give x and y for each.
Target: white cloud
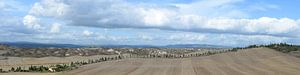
(270, 25)
(10, 20)
(206, 16)
(221, 24)
(145, 37)
(156, 17)
(55, 8)
(31, 22)
(55, 28)
(111, 37)
(187, 37)
(87, 33)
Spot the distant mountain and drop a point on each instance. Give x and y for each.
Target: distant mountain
(42, 45)
(39, 45)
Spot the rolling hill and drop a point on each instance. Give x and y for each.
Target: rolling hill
(254, 61)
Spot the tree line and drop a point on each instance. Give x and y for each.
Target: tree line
(75, 65)
(207, 53)
(60, 67)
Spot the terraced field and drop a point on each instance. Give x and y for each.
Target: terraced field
(256, 61)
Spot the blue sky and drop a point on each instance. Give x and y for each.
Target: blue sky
(150, 22)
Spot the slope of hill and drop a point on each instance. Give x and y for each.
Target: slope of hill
(286, 48)
(255, 61)
(293, 50)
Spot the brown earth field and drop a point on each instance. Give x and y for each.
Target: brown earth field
(255, 61)
(46, 61)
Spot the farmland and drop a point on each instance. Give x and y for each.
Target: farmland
(257, 61)
(24, 58)
(253, 61)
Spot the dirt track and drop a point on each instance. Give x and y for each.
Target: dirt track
(259, 61)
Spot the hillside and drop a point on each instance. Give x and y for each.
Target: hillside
(249, 61)
(293, 50)
(255, 61)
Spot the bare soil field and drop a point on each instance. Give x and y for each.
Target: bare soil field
(28, 61)
(256, 61)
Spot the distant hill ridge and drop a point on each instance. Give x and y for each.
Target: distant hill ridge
(39, 45)
(43, 45)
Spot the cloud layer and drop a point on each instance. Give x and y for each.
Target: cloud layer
(220, 22)
(208, 16)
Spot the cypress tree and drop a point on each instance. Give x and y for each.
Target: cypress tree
(12, 69)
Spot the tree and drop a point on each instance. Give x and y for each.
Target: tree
(1, 71)
(18, 69)
(73, 65)
(234, 49)
(12, 69)
(43, 69)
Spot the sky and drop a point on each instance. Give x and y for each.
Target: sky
(150, 22)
